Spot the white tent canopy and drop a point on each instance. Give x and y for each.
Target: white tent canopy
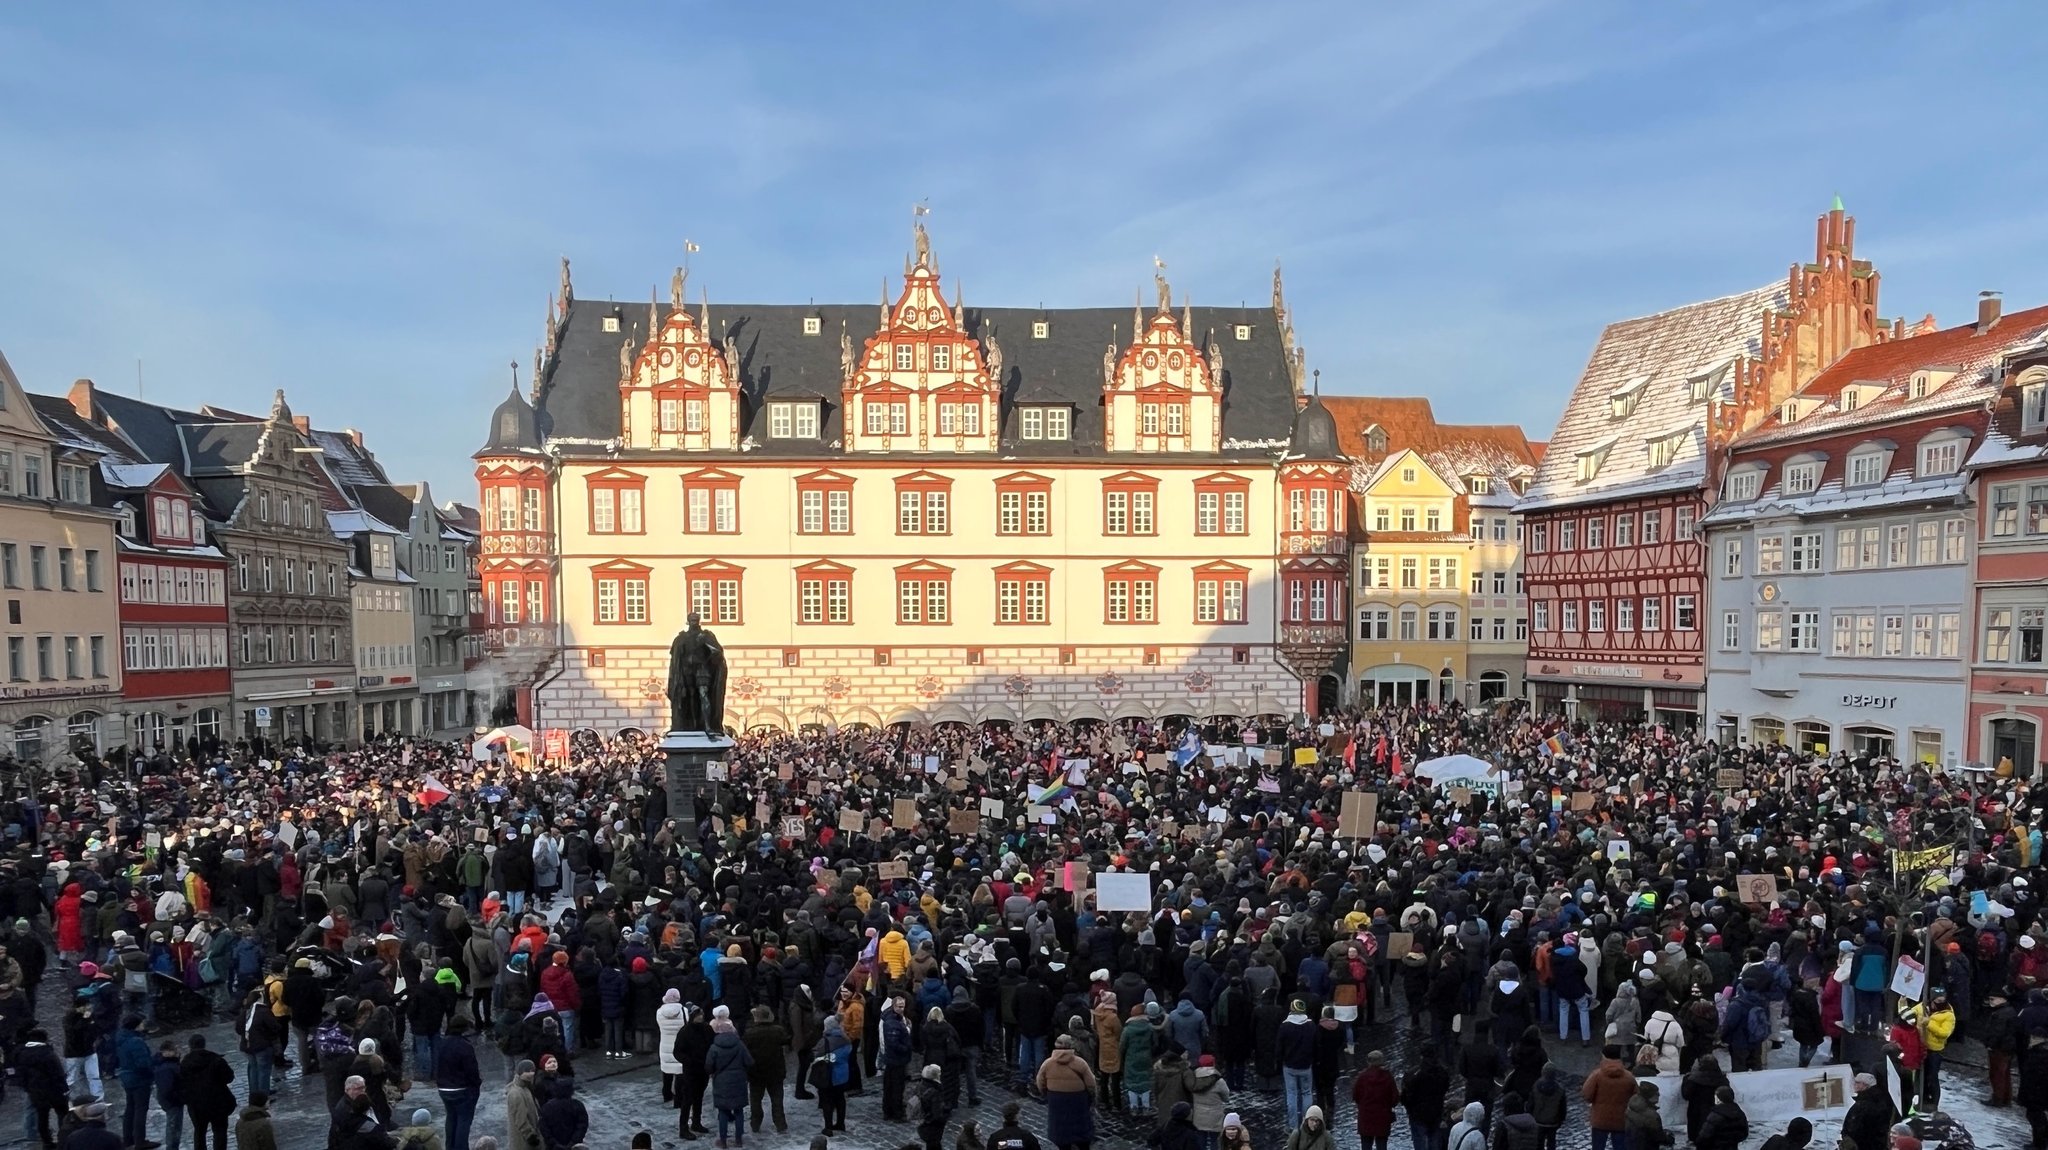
(509, 738)
(1455, 767)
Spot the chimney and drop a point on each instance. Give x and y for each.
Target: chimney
(355, 436)
(1989, 306)
(81, 399)
(304, 423)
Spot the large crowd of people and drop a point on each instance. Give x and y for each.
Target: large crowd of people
(914, 911)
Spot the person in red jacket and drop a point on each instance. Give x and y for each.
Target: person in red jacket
(1375, 1094)
(1910, 1051)
(71, 924)
(559, 984)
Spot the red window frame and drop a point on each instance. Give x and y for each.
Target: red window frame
(924, 484)
(925, 574)
(1222, 486)
(615, 481)
(825, 483)
(713, 480)
(1133, 574)
(1023, 484)
(1025, 575)
(825, 573)
(623, 573)
(716, 571)
(1128, 484)
(1221, 574)
(1307, 485)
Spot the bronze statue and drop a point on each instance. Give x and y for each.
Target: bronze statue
(696, 680)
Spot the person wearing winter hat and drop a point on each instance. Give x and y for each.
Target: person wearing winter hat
(1235, 1136)
(421, 1134)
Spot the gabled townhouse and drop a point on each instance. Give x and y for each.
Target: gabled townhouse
(2008, 702)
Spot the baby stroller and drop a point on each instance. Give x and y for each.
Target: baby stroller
(178, 1005)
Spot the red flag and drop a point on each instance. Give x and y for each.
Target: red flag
(432, 792)
(1397, 760)
(1379, 752)
(1351, 753)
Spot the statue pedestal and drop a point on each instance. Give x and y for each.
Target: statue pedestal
(687, 754)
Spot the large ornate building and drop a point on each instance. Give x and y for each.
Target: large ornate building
(919, 511)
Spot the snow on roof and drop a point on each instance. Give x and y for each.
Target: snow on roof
(1670, 349)
(355, 522)
(1832, 498)
(131, 475)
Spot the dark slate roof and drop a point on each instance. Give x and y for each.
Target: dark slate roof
(152, 428)
(63, 421)
(351, 464)
(580, 399)
(218, 448)
(513, 430)
(1315, 433)
(383, 501)
(222, 494)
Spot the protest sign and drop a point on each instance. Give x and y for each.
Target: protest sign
(793, 827)
(1074, 877)
(853, 822)
(1304, 756)
(1909, 979)
(1129, 892)
(1757, 889)
(1582, 800)
(1461, 796)
(1619, 850)
(963, 822)
(992, 808)
(785, 772)
(890, 870)
(931, 764)
(903, 813)
(1399, 943)
(1157, 761)
(1356, 818)
(1728, 778)
(1271, 756)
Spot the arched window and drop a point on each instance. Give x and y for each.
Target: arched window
(1493, 685)
(82, 732)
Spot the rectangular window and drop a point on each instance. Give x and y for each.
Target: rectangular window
(1653, 613)
(603, 511)
(32, 482)
(1955, 535)
(2005, 510)
(1801, 478)
(1057, 420)
(1176, 418)
(1569, 615)
(1478, 633)
(1681, 523)
(1208, 512)
(1866, 635)
(810, 512)
(1926, 542)
(1866, 469)
(1410, 568)
(1731, 630)
(1845, 548)
(1898, 544)
(1596, 534)
(1031, 423)
(1944, 458)
(1770, 555)
(1500, 628)
(1948, 635)
(2029, 644)
(1923, 636)
(1148, 419)
(1868, 541)
(1844, 642)
(1998, 635)
(1568, 535)
(1624, 614)
(1731, 557)
(1443, 624)
(781, 420)
(1319, 601)
(1803, 631)
(1408, 624)
(1806, 552)
(2037, 510)
(1684, 612)
(1596, 615)
(65, 580)
(1653, 527)
(1521, 630)
(1541, 608)
(1539, 538)
(38, 567)
(1769, 630)
(1233, 513)
(1117, 513)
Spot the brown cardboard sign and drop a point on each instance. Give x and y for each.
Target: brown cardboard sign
(785, 771)
(1757, 889)
(1355, 820)
(964, 822)
(903, 813)
(1582, 800)
(1157, 761)
(1461, 796)
(853, 822)
(1270, 756)
(1728, 778)
(891, 870)
(956, 785)
(1399, 943)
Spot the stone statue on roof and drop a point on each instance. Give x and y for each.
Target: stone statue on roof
(992, 357)
(845, 354)
(1109, 365)
(1165, 291)
(626, 359)
(924, 244)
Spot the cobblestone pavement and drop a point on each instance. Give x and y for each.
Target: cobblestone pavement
(624, 1096)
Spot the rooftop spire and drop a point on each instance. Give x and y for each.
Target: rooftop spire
(1837, 205)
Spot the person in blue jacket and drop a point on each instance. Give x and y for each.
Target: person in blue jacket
(135, 1066)
(1869, 976)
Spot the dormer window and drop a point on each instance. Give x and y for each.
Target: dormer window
(1244, 332)
(1480, 485)
(1040, 329)
(1591, 458)
(1622, 400)
(1664, 449)
(1801, 478)
(788, 420)
(127, 521)
(1788, 412)
(2034, 407)
(1043, 423)
(1742, 486)
(1867, 466)
(812, 325)
(1376, 439)
(1701, 387)
(611, 324)
(1857, 395)
(1940, 455)
(1926, 383)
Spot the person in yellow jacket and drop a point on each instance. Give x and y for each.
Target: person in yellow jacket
(894, 955)
(1937, 1022)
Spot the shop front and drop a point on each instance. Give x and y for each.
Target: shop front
(309, 710)
(1617, 692)
(1910, 721)
(389, 705)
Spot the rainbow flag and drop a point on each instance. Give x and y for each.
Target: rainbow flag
(1554, 745)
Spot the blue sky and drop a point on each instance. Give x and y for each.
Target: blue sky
(364, 204)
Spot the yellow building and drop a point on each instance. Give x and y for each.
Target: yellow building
(62, 676)
(1438, 609)
(917, 512)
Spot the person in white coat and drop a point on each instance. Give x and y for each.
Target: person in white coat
(669, 1021)
(1667, 1035)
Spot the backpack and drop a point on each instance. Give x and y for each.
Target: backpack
(331, 1041)
(1756, 1026)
